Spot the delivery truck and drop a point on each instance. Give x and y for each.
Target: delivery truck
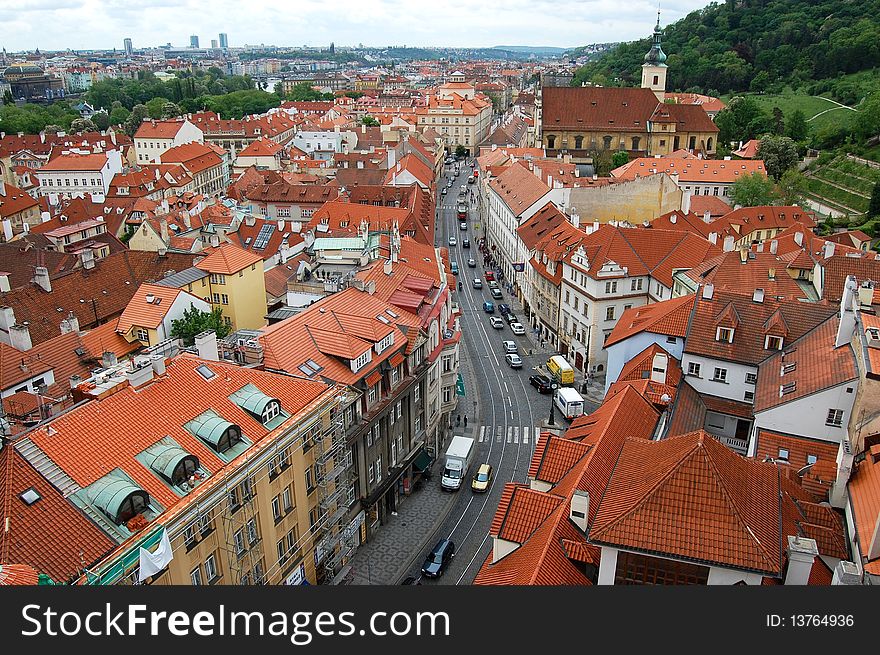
(458, 460)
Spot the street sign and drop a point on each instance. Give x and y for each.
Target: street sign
(459, 386)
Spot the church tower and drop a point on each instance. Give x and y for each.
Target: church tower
(654, 68)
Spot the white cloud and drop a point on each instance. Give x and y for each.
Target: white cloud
(81, 24)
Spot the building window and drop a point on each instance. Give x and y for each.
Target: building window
(417, 393)
(286, 500)
(224, 299)
(447, 394)
(773, 343)
(724, 334)
(399, 409)
(609, 313)
(216, 278)
(371, 394)
(253, 533)
(372, 474)
(238, 540)
(272, 410)
(282, 552)
(812, 459)
(195, 576)
(835, 418)
(720, 375)
(751, 378)
(694, 369)
(310, 483)
(189, 537)
(276, 508)
(610, 287)
(378, 468)
(636, 285)
(749, 396)
(143, 335)
(782, 453)
(211, 568)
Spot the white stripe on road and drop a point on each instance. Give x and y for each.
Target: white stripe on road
(511, 414)
(515, 434)
(482, 433)
(506, 390)
(509, 434)
(526, 431)
(498, 435)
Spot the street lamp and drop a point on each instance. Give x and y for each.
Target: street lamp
(553, 387)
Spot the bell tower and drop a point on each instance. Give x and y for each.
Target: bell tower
(654, 68)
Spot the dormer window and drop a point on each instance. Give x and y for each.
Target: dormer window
(385, 343)
(362, 360)
(272, 410)
(772, 342)
(724, 334)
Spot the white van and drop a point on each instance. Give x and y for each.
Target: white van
(569, 402)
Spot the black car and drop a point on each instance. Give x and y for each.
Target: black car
(541, 383)
(465, 243)
(438, 559)
(511, 318)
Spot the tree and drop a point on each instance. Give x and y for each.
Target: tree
(154, 107)
(134, 120)
(778, 121)
(278, 89)
(170, 110)
(7, 98)
(119, 115)
(619, 158)
(305, 92)
(741, 120)
(779, 154)
(797, 127)
(874, 204)
(752, 190)
(101, 120)
(195, 321)
(461, 151)
(791, 187)
(81, 125)
(760, 82)
(369, 121)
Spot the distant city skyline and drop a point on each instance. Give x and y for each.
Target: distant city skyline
(46, 24)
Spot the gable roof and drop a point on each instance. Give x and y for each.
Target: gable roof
(518, 188)
(597, 108)
(228, 259)
(692, 171)
(145, 313)
(669, 317)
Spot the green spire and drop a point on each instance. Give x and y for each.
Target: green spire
(655, 55)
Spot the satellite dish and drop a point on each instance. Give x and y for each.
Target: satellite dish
(665, 398)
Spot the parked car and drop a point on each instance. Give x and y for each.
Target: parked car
(496, 294)
(511, 318)
(452, 240)
(489, 307)
(496, 322)
(490, 276)
(513, 360)
(517, 328)
(478, 283)
(482, 479)
(509, 346)
(504, 309)
(438, 559)
(465, 243)
(541, 382)
(471, 262)
(444, 190)
(492, 283)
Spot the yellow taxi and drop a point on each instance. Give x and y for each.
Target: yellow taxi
(482, 479)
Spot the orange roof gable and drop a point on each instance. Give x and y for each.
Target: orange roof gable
(228, 259)
(147, 307)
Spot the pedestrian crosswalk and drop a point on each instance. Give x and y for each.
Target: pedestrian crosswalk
(513, 434)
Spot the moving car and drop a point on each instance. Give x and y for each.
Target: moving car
(517, 328)
(452, 240)
(438, 559)
(504, 309)
(471, 262)
(496, 322)
(465, 243)
(509, 346)
(496, 294)
(482, 479)
(463, 225)
(489, 307)
(513, 360)
(454, 267)
(478, 283)
(541, 382)
(490, 275)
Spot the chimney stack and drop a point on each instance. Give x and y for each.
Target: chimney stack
(708, 291)
(20, 337)
(713, 238)
(774, 246)
(802, 553)
(41, 278)
(837, 495)
(70, 324)
(707, 216)
(108, 359)
(829, 249)
(846, 573)
(206, 344)
(758, 295)
(659, 367)
(579, 509)
(799, 238)
(4, 282)
(139, 374)
(87, 259)
(728, 243)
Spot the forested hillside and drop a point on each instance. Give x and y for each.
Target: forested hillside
(753, 45)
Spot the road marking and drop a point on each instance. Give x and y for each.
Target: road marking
(498, 435)
(482, 433)
(515, 434)
(506, 390)
(509, 434)
(526, 431)
(511, 414)
(537, 435)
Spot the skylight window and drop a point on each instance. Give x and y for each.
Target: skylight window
(383, 319)
(205, 372)
(29, 496)
(315, 365)
(307, 370)
(392, 314)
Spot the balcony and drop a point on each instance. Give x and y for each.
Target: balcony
(739, 446)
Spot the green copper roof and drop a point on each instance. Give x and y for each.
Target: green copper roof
(655, 55)
(164, 456)
(111, 491)
(251, 399)
(340, 243)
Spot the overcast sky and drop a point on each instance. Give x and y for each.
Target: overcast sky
(83, 24)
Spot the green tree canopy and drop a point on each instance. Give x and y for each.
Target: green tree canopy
(369, 121)
(797, 127)
(135, 118)
(101, 120)
(791, 187)
(779, 154)
(741, 120)
(619, 158)
(874, 204)
(304, 92)
(80, 125)
(753, 190)
(195, 321)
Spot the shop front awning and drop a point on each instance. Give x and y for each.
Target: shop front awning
(423, 461)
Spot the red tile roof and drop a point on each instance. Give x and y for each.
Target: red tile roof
(741, 272)
(689, 170)
(838, 268)
(17, 366)
(820, 476)
(864, 493)
(518, 188)
(541, 223)
(75, 162)
(153, 129)
(14, 200)
(139, 312)
(712, 204)
(640, 366)
(196, 157)
(669, 317)
(228, 259)
(595, 108)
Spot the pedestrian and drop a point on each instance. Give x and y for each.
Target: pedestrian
(458, 420)
(465, 420)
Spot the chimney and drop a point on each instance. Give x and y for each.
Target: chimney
(206, 344)
(215, 240)
(575, 220)
(801, 554)
(73, 381)
(758, 295)
(163, 230)
(846, 573)
(685, 201)
(771, 273)
(708, 291)
(829, 249)
(707, 217)
(728, 243)
(837, 495)
(774, 246)
(579, 509)
(162, 251)
(713, 238)
(87, 258)
(139, 374)
(108, 359)
(250, 220)
(673, 219)
(387, 267)
(41, 278)
(70, 324)
(158, 363)
(20, 337)
(799, 238)
(659, 367)
(7, 318)
(4, 282)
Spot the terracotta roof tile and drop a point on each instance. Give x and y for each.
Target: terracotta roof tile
(690, 170)
(228, 259)
(669, 317)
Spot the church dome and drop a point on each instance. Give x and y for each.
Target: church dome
(655, 55)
